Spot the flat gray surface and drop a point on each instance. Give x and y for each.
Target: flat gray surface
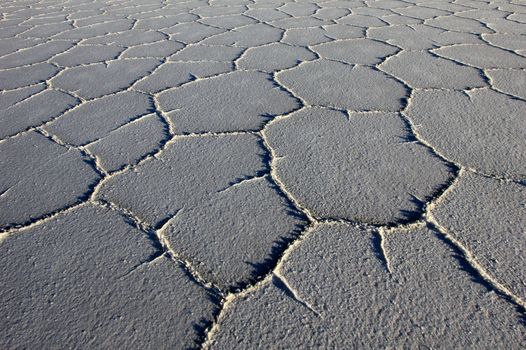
(266, 174)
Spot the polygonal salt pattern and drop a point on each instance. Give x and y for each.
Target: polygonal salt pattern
(232, 173)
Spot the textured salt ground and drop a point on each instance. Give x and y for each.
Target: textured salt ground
(263, 174)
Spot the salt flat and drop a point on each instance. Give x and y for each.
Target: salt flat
(239, 174)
